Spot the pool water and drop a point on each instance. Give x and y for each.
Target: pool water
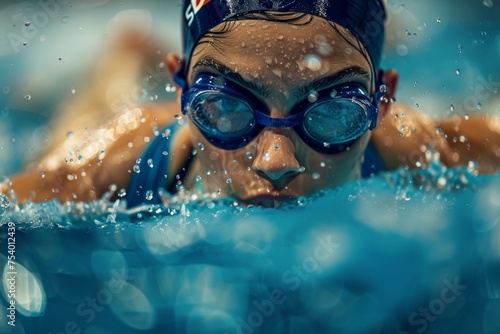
(402, 252)
(377, 256)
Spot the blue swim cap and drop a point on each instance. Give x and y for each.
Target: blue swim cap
(363, 18)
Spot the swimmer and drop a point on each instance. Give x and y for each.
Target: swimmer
(276, 100)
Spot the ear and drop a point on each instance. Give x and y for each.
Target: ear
(173, 63)
(390, 79)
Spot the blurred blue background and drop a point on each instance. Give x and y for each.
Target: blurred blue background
(204, 266)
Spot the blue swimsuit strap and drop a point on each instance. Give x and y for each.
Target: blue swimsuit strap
(150, 173)
(373, 163)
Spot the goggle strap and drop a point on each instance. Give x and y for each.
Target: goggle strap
(376, 99)
(180, 79)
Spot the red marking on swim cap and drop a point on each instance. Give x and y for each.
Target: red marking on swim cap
(198, 4)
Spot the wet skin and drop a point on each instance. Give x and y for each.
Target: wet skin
(274, 62)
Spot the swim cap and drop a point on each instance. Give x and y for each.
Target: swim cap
(363, 18)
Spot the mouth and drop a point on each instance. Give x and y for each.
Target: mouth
(270, 201)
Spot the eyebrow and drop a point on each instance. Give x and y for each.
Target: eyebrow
(302, 90)
(261, 89)
(329, 81)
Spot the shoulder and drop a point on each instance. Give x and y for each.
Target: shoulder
(402, 135)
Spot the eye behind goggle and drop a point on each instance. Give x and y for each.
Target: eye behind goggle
(335, 123)
(222, 116)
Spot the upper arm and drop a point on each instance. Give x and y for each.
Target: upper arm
(476, 138)
(84, 165)
(403, 136)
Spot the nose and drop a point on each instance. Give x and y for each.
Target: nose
(275, 160)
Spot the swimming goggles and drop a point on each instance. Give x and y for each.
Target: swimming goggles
(230, 117)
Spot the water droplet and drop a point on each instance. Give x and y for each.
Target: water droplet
(452, 108)
(27, 24)
(322, 164)
(458, 71)
(467, 116)
(229, 180)
(198, 178)
(60, 58)
(73, 90)
(122, 193)
(479, 106)
(312, 62)
(42, 175)
(70, 134)
(460, 48)
(279, 37)
(214, 156)
(402, 128)
(301, 201)
(149, 195)
(266, 156)
(277, 72)
(208, 172)
(80, 157)
(194, 152)
(277, 146)
(441, 182)
(488, 3)
(201, 146)
(178, 117)
(249, 155)
(315, 176)
(150, 163)
(4, 202)
(333, 93)
(383, 88)
(313, 96)
(65, 19)
(137, 169)
(27, 97)
(169, 88)
(438, 20)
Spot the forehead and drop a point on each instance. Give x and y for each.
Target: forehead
(281, 54)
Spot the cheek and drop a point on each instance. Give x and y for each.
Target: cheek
(325, 168)
(217, 164)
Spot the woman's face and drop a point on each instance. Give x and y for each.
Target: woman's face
(275, 61)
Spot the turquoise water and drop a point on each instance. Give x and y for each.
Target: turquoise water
(382, 255)
(365, 258)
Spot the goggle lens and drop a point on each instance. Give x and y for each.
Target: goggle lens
(222, 115)
(336, 122)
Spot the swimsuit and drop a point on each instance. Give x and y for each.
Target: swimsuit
(150, 172)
